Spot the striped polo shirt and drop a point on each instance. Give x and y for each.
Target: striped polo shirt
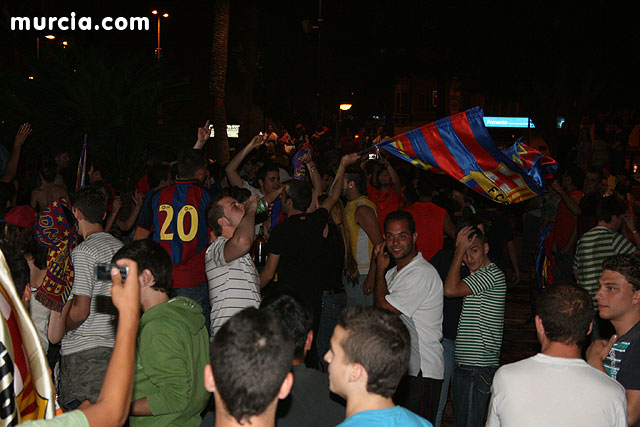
(482, 319)
(99, 329)
(233, 286)
(595, 246)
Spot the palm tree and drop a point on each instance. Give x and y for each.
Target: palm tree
(220, 41)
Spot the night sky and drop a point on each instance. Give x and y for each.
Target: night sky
(512, 52)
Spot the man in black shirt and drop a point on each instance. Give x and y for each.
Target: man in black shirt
(294, 249)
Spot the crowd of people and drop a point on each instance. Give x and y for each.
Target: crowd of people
(305, 284)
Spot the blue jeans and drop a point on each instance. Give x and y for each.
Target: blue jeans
(449, 351)
(354, 292)
(332, 306)
(199, 294)
(470, 391)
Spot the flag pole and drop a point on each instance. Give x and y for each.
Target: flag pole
(372, 148)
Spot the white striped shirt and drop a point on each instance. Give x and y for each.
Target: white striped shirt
(99, 328)
(232, 286)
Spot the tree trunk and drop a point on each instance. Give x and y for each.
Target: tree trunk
(219, 149)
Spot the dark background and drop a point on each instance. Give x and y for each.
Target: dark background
(547, 59)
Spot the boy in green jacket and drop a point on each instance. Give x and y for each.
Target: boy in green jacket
(172, 346)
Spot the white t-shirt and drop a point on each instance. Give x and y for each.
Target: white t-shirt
(555, 391)
(232, 286)
(416, 291)
(40, 316)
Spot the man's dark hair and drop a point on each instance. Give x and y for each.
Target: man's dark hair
(295, 316)
(566, 311)
(426, 186)
(48, 169)
(399, 216)
(608, 207)
(17, 266)
(214, 212)
(469, 220)
(149, 255)
(268, 166)
(356, 175)
(300, 193)
(37, 251)
(474, 221)
(92, 203)
(190, 162)
(626, 264)
(250, 341)
(380, 342)
(158, 173)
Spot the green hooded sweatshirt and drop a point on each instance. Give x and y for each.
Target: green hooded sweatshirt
(171, 353)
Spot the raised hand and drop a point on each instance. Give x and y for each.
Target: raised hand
(381, 256)
(126, 296)
(204, 133)
(464, 240)
(22, 134)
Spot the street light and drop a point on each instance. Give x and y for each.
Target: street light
(343, 107)
(48, 37)
(159, 49)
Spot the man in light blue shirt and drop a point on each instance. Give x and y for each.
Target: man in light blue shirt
(369, 353)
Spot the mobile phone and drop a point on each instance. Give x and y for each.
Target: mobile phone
(71, 405)
(211, 131)
(103, 271)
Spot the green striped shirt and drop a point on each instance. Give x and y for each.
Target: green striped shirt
(595, 246)
(482, 319)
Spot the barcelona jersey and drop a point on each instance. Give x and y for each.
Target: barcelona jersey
(175, 216)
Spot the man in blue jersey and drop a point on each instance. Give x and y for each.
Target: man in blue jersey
(175, 217)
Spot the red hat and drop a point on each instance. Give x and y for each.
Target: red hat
(23, 216)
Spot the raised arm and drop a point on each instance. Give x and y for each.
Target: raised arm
(232, 168)
(453, 286)
(111, 219)
(136, 198)
(12, 164)
(395, 179)
(366, 218)
(336, 187)
(242, 239)
(203, 136)
(381, 288)
(316, 182)
(112, 406)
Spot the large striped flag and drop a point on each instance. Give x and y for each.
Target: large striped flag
(27, 391)
(461, 147)
(82, 165)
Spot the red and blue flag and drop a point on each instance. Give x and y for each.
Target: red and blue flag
(461, 147)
